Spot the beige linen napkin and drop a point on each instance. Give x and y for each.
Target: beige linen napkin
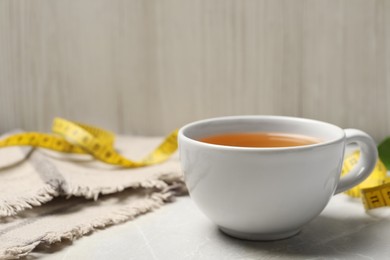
(30, 178)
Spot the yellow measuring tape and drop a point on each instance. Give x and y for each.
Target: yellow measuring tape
(71, 137)
(375, 190)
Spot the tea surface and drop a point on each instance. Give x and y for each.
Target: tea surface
(261, 139)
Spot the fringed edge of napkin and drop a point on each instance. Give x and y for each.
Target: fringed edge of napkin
(126, 213)
(11, 207)
(160, 183)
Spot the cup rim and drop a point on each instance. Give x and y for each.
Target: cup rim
(182, 136)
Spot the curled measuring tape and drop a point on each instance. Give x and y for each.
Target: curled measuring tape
(71, 137)
(375, 190)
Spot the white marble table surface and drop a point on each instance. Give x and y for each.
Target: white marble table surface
(180, 231)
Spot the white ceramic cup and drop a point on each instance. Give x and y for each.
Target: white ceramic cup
(268, 193)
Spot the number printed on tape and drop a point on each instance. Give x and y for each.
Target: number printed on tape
(375, 190)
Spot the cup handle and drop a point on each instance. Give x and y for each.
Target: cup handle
(367, 160)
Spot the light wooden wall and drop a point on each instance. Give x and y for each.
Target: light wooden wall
(148, 66)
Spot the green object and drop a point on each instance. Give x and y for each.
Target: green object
(384, 152)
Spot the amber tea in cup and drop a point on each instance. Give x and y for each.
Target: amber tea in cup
(260, 139)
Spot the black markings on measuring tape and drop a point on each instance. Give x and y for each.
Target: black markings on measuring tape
(387, 194)
(374, 199)
(377, 196)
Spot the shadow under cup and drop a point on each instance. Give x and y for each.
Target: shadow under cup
(261, 193)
